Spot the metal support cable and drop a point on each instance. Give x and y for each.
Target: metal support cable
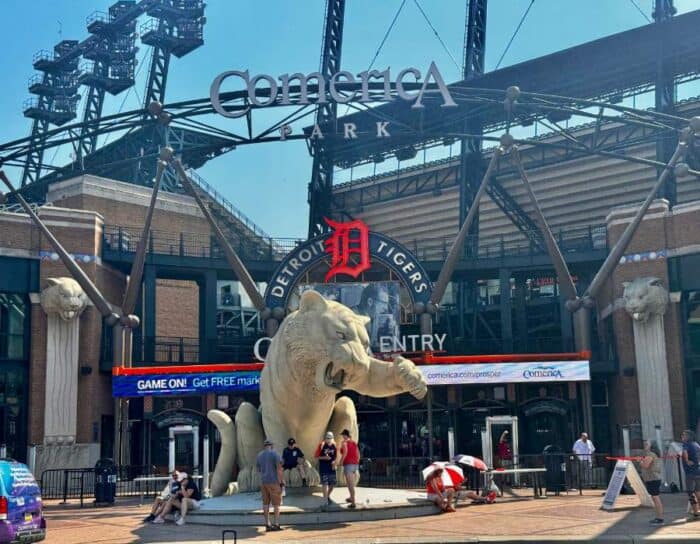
(437, 35)
(640, 11)
(517, 29)
(386, 34)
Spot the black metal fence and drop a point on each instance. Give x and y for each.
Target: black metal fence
(79, 483)
(123, 240)
(166, 349)
(575, 474)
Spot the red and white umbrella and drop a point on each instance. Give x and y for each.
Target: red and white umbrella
(452, 475)
(471, 461)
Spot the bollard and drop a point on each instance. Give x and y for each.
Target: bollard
(65, 487)
(205, 476)
(31, 458)
(451, 442)
(171, 454)
(626, 441)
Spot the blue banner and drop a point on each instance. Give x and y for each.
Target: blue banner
(179, 384)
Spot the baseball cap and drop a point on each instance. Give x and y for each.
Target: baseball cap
(267, 442)
(329, 435)
(291, 441)
(181, 476)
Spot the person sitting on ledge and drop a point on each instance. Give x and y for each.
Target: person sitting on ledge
(171, 488)
(187, 498)
(439, 493)
(293, 458)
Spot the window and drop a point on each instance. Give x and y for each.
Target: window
(13, 321)
(599, 393)
(693, 323)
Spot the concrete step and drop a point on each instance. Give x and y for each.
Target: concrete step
(305, 508)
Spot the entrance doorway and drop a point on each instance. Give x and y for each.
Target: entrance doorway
(546, 423)
(183, 451)
(501, 429)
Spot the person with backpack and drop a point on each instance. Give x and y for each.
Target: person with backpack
(691, 467)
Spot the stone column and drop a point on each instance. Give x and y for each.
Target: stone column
(646, 301)
(63, 301)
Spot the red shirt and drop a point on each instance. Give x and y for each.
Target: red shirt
(437, 480)
(504, 451)
(352, 457)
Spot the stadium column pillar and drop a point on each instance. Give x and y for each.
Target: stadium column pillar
(582, 340)
(426, 327)
(565, 321)
(148, 341)
(664, 96)
(207, 317)
(506, 310)
(520, 313)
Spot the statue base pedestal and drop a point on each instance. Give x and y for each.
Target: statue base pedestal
(305, 508)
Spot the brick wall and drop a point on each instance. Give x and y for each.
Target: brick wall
(80, 232)
(659, 230)
(125, 205)
(177, 308)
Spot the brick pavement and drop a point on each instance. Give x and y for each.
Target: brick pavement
(558, 519)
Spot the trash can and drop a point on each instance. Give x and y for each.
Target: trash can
(555, 463)
(105, 482)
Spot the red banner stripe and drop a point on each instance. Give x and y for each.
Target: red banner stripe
(180, 369)
(426, 358)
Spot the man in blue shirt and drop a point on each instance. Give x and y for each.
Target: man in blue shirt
(691, 466)
(269, 465)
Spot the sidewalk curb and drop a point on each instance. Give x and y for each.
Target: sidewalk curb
(605, 539)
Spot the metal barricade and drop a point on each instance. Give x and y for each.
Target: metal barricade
(79, 483)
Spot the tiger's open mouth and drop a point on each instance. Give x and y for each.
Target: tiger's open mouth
(336, 380)
(67, 315)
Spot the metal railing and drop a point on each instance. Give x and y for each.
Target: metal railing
(570, 240)
(224, 203)
(405, 472)
(163, 350)
(17, 208)
(79, 483)
(166, 349)
(124, 240)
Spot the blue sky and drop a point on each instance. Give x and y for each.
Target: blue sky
(269, 182)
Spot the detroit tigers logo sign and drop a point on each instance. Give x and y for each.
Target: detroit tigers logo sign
(345, 240)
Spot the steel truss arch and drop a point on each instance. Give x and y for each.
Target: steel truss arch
(624, 125)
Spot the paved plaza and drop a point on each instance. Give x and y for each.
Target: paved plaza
(568, 518)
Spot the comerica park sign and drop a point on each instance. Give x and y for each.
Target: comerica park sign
(342, 87)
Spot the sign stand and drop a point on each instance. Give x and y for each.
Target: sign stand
(625, 469)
